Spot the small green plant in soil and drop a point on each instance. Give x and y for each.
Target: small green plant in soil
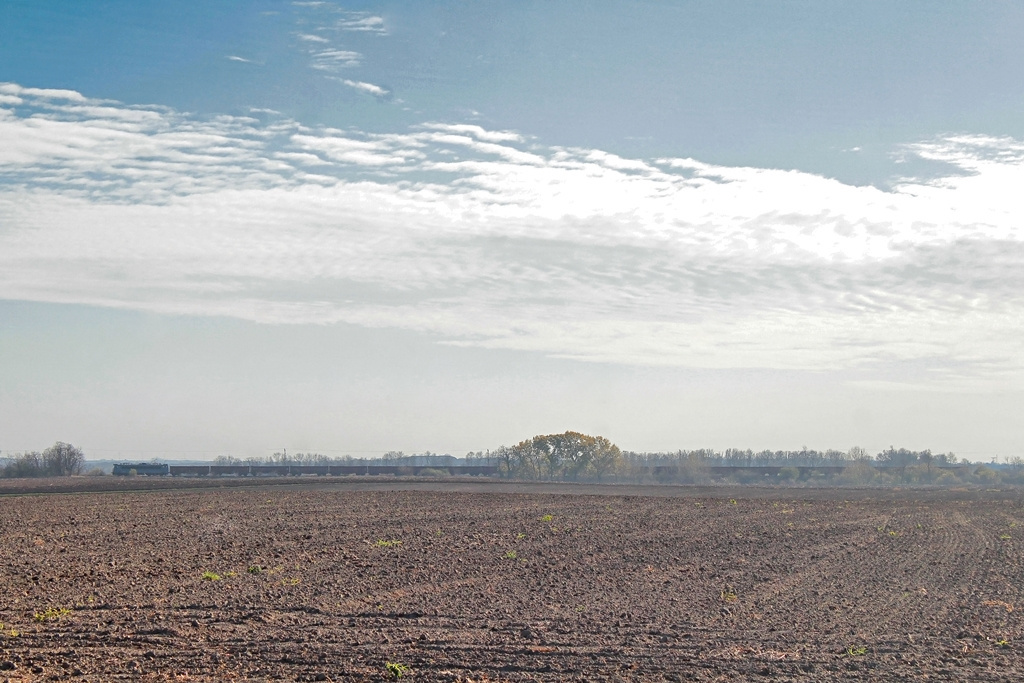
(385, 543)
(51, 614)
(396, 670)
(729, 595)
(1003, 642)
(510, 555)
(255, 569)
(853, 651)
(211, 576)
(547, 518)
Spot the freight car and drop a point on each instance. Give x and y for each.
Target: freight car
(320, 470)
(149, 469)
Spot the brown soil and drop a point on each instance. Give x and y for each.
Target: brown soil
(486, 582)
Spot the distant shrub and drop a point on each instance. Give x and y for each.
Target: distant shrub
(986, 475)
(860, 473)
(789, 474)
(432, 472)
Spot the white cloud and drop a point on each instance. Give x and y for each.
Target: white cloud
(477, 132)
(369, 88)
(236, 58)
(485, 238)
(43, 93)
(362, 22)
(327, 52)
(335, 60)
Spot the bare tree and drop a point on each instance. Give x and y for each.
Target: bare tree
(927, 458)
(24, 465)
(62, 460)
(858, 454)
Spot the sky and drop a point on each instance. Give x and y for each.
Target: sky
(228, 228)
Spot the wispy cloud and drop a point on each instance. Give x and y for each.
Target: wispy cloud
(236, 58)
(335, 60)
(362, 22)
(368, 88)
(485, 238)
(326, 43)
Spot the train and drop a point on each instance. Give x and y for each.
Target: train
(242, 470)
(657, 472)
(148, 469)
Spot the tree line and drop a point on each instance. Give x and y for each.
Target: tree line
(573, 456)
(59, 460)
(805, 457)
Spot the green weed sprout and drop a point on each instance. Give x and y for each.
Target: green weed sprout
(51, 614)
(396, 670)
(211, 576)
(856, 651)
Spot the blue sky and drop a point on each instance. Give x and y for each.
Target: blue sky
(236, 227)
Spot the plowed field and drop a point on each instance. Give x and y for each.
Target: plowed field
(333, 583)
